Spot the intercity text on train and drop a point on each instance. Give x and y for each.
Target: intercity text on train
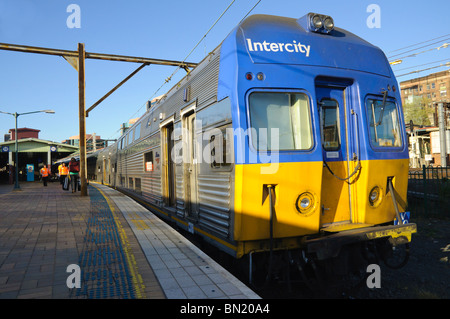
(294, 46)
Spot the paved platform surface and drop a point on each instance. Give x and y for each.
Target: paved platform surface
(122, 250)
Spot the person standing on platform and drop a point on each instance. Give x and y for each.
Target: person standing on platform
(63, 172)
(74, 169)
(45, 173)
(59, 173)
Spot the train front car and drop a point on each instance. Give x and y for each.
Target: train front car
(321, 155)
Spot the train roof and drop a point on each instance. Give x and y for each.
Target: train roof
(267, 39)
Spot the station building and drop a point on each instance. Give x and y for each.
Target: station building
(33, 154)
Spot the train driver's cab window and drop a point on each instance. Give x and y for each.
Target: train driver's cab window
(384, 124)
(280, 121)
(329, 120)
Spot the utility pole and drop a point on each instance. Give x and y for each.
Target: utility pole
(77, 60)
(82, 117)
(442, 134)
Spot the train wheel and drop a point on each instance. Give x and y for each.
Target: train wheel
(395, 257)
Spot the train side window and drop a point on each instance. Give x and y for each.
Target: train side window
(280, 121)
(220, 148)
(137, 132)
(384, 124)
(130, 137)
(329, 119)
(148, 162)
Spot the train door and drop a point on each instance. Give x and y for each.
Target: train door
(104, 171)
(335, 134)
(190, 166)
(168, 172)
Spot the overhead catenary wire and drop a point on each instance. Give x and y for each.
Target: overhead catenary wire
(192, 50)
(177, 69)
(415, 66)
(418, 71)
(414, 54)
(412, 45)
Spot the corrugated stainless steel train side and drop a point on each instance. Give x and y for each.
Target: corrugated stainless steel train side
(187, 160)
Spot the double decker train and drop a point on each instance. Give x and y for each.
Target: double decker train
(285, 145)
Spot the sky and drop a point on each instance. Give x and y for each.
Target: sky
(169, 30)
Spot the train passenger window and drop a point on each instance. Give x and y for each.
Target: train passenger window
(220, 148)
(137, 132)
(329, 120)
(148, 162)
(384, 124)
(280, 121)
(130, 137)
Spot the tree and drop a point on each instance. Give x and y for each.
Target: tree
(418, 111)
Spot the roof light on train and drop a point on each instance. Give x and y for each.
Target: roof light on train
(316, 21)
(328, 23)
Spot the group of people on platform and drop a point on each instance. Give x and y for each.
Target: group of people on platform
(70, 172)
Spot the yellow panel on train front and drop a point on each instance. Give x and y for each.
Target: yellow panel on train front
(297, 200)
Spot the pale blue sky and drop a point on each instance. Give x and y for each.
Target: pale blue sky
(164, 30)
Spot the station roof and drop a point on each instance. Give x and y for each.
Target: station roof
(36, 145)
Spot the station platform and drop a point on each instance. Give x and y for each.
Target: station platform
(122, 250)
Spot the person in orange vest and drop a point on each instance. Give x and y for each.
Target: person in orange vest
(59, 173)
(45, 173)
(64, 171)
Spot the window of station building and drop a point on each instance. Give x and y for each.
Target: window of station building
(148, 162)
(384, 124)
(433, 85)
(280, 121)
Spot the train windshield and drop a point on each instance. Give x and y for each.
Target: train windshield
(384, 124)
(280, 121)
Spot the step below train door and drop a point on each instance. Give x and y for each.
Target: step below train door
(336, 209)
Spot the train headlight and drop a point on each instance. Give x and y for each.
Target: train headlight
(328, 23)
(316, 21)
(306, 203)
(375, 196)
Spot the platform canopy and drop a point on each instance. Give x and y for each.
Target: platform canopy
(27, 145)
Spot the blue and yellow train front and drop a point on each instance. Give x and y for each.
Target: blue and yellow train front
(319, 137)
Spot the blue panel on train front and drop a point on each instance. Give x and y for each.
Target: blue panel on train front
(283, 41)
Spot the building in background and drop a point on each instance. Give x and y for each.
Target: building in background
(33, 154)
(90, 144)
(434, 87)
(24, 132)
(423, 94)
